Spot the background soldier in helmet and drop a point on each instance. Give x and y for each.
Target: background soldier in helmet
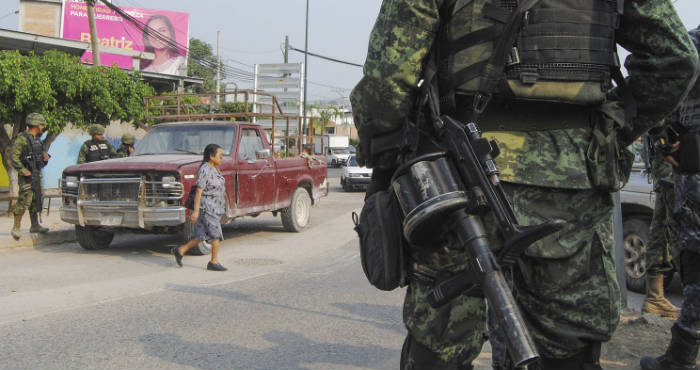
(127, 146)
(680, 142)
(559, 127)
(97, 148)
(28, 158)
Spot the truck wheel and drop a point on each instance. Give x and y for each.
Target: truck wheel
(636, 239)
(296, 216)
(200, 249)
(91, 238)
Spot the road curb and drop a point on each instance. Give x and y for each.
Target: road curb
(34, 240)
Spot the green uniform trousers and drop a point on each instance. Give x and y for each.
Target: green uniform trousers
(25, 199)
(565, 284)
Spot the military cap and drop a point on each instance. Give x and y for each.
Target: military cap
(97, 130)
(35, 119)
(128, 139)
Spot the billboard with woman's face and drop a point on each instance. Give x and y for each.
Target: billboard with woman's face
(167, 37)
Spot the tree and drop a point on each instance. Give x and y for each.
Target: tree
(326, 113)
(201, 63)
(63, 90)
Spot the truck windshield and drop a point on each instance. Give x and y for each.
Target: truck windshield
(186, 139)
(340, 151)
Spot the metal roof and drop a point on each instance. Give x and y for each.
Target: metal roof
(26, 42)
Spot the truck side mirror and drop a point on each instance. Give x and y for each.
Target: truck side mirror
(262, 154)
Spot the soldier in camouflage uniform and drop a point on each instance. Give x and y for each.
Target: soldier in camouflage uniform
(685, 333)
(663, 239)
(97, 148)
(127, 146)
(565, 284)
(28, 158)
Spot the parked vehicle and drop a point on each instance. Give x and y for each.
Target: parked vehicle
(334, 148)
(145, 192)
(637, 199)
(354, 176)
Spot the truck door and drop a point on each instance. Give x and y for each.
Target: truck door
(256, 177)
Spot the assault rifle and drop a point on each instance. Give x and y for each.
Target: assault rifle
(448, 192)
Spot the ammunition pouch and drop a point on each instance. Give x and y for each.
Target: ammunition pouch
(688, 154)
(382, 243)
(388, 149)
(609, 163)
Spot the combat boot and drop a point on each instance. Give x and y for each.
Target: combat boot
(15, 229)
(680, 355)
(36, 228)
(655, 301)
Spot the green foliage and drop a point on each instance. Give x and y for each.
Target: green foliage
(327, 113)
(64, 90)
(199, 63)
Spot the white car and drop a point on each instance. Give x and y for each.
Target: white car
(354, 176)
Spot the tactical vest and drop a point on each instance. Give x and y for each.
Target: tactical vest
(97, 151)
(33, 153)
(689, 110)
(564, 52)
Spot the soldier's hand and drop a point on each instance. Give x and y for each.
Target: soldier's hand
(131, 149)
(669, 158)
(46, 157)
(27, 173)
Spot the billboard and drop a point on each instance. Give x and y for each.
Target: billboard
(115, 31)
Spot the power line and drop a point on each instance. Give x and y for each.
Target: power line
(326, 58)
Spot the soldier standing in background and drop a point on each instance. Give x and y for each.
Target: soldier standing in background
(28, 158)
(565, 284)
(97, 148)
(663, 240)
(685, 126)
(127, 146)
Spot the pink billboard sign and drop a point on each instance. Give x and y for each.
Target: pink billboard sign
(115, 31)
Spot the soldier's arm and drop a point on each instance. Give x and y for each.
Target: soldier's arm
(16, 156)
(663, 63)
(112, 152)
(82, 155)
(399, 42)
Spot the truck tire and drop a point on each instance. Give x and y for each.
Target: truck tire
(296, 217)
(636, 239)
(201, 249)
(91, 238)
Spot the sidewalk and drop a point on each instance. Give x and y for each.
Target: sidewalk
(59, 231)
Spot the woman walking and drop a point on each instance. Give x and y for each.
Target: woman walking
(209, 206)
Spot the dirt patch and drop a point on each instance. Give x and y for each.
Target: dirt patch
(638, 335)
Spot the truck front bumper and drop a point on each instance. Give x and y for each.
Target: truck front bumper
(128, 217)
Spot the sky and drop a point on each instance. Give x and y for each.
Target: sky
(253, 31)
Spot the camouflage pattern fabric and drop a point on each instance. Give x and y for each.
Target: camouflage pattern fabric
(26, 194)
(687, 211)
(689, 318)
(123, 151)
(663, 233)
(25, 199)
(566, 285)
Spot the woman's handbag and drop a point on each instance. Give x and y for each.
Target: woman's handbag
(189, 202)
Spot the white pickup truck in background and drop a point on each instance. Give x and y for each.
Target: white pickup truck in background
(335, 148)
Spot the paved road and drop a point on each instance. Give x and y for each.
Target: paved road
(289, 301)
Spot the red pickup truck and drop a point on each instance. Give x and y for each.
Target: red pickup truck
(145, 192)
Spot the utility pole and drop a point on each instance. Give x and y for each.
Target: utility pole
(306, 62)
(286, 49)
(93, 33)
(218, 65)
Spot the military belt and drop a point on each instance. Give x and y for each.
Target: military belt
(526, 115)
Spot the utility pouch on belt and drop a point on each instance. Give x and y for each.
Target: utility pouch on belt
(688, 154)
(381, 241)
(609, 163)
